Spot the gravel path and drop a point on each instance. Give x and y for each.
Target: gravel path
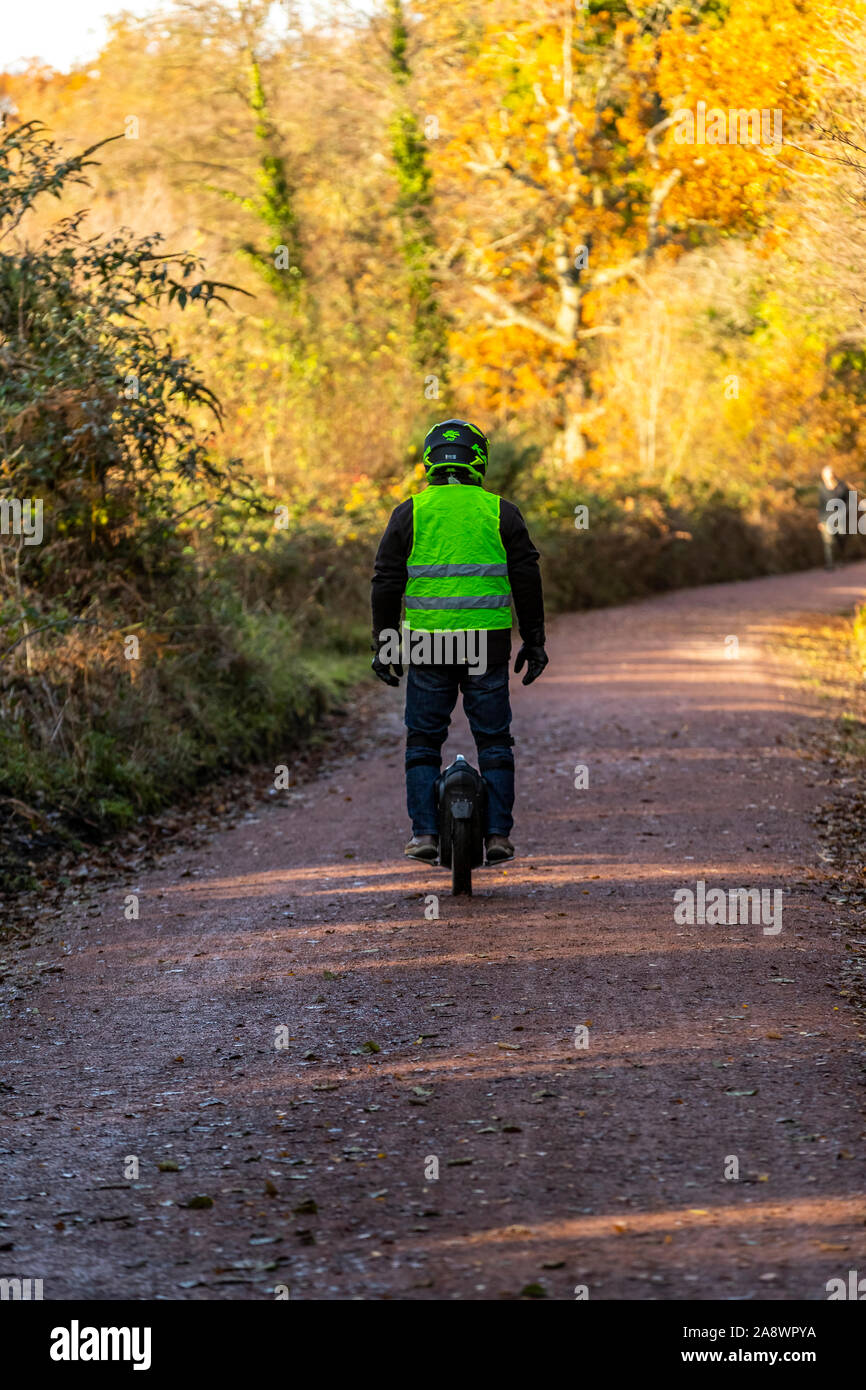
(289, 1039)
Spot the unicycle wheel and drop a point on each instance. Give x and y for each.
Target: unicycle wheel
(461, 858)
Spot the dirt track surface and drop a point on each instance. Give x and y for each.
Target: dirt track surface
(559, 1165)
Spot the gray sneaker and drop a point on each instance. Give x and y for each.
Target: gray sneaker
(499, 848)
(425, 847)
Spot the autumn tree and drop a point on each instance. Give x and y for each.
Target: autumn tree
(566, 182)
(415, 196)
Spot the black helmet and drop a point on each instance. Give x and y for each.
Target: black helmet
(456, 443)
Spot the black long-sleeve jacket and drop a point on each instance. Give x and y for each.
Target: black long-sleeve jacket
(826, 495)
(390, 575)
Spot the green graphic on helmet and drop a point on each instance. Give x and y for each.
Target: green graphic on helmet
(454, 444)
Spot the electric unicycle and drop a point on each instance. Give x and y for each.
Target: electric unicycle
(461, 800)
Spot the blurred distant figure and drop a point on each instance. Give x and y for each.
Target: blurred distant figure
(832, 489)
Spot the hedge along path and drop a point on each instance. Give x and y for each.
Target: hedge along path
(328, 1091)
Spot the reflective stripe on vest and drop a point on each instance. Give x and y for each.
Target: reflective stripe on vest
(457, 570)
(448, 571)
(467, 601)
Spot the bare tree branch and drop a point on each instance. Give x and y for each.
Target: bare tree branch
(659, 193)
(36, 630)
(512, 316)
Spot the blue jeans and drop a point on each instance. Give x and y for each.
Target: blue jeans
(431, 694)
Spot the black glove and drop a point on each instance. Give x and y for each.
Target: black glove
(533, 656)
(384, 672)
(383, 669)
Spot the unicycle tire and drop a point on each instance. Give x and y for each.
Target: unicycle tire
(461, 858)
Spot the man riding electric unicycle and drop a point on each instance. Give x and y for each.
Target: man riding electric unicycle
(460, 556)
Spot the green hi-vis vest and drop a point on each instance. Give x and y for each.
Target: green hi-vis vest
(458, 575)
